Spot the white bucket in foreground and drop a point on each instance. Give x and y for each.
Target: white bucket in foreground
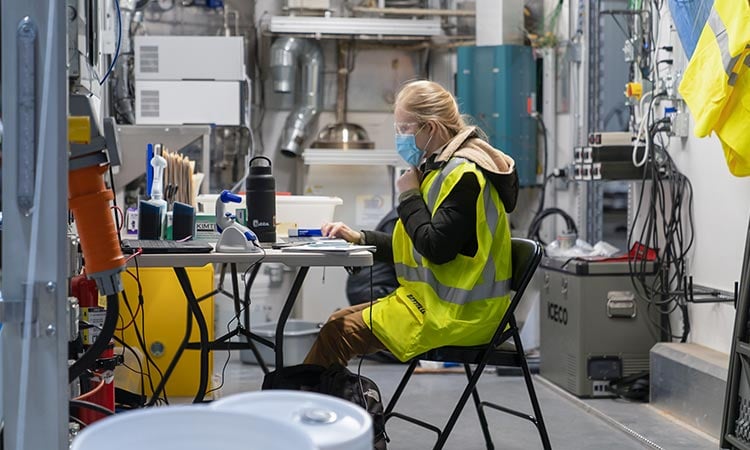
(332, 423)
(190, 428)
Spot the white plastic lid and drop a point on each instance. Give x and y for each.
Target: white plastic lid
(332, 423)
(190, 428)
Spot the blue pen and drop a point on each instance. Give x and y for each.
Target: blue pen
(149, 169)
(297, 232)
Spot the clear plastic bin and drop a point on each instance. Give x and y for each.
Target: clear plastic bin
(299, 336)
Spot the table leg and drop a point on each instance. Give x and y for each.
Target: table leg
(236, 299)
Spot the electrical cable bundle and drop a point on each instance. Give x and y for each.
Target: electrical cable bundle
(667, 225)
(665, 203)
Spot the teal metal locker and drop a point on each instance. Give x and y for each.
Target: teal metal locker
(495, 85)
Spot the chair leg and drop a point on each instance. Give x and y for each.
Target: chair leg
(459, 407)
(480, 411)
(539, 422)
(400, 389)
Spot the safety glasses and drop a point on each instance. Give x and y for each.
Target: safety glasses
(407, 127)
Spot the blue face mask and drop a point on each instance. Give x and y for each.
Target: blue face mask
(406, 146)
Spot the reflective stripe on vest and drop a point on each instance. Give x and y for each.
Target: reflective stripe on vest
(434, 191)
(488, 288)
(722, 40)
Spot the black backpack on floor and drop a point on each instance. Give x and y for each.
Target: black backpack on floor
(337, 381)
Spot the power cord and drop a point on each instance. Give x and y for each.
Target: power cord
(666, 203)
(125, 346)
(90, 356)
(545, 178)
(119, 42)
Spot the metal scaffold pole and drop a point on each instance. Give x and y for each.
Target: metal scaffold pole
(33, 342)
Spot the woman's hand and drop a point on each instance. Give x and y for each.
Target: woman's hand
(340, 230)
(408, 180)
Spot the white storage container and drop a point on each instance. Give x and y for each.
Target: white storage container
(299, 336)
(305, 211)
(302, 211)
(332, 423)
(190, 428)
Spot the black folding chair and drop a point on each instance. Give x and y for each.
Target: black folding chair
(526, 255)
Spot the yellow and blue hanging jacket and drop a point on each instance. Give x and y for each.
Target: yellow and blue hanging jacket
(716, 83)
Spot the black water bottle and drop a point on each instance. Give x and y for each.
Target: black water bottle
(260, 191)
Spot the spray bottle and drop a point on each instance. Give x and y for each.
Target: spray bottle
(159, 163)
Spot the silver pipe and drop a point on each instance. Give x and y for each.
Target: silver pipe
(285, 53)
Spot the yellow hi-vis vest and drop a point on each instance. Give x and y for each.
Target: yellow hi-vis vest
(716, 84)
(459, 302)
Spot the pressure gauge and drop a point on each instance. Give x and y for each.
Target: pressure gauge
(165, 5)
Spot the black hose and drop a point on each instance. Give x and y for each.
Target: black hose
(92, 406)
(685, 323)
(536, 223)
(545, 179)
(89, 357)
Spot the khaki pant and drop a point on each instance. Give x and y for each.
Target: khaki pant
(343, 337)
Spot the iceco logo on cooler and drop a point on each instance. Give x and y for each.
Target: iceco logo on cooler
(260, 223)
(557, 313)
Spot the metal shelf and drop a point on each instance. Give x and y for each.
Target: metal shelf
(335, 157)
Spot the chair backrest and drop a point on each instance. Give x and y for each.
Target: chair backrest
(525, 258)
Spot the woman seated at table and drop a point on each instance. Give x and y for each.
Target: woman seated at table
(451, 245)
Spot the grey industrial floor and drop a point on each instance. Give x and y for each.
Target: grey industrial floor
(572, 423)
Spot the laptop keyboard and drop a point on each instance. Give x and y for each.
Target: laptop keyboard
(163, 246)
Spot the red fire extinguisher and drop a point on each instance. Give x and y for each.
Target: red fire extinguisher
(99, 388)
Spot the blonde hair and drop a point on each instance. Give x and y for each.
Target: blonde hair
(429, 101)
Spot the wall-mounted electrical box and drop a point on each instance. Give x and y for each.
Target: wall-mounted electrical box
(495, 85)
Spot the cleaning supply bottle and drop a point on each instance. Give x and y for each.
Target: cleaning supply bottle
(159, 163)
(260, 192)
